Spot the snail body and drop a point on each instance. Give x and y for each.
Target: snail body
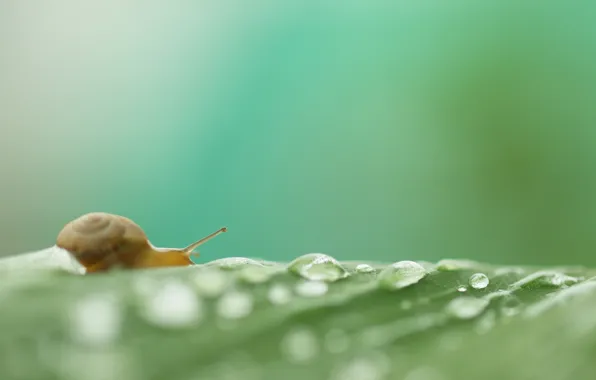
(101, 241)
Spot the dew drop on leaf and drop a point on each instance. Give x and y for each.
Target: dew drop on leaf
(364, 268)
(479, 281)
(466, 307)
(462, 289)
(401, 274)
(318, 267)
(311, 288)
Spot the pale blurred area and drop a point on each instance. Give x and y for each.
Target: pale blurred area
(365, 130)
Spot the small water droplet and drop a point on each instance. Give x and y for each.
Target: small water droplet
(210, 283)
(336, 341)
(96, 320)
(279, 294)
(479, 281)
(311, 288)
(401, 274)
(173, 305)
(466, 307)
(462, 289)
(318, 267)
(300, 345)
(364, 268)
(231, 263)
(235, 305)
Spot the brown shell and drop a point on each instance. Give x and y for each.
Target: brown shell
(96, 237)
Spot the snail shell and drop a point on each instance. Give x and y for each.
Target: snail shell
(98, 237)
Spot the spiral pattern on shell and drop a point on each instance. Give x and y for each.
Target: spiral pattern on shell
(94, 236)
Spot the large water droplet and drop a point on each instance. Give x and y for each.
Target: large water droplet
(466, 307)
(364, 268)
(401, 274)
(479, 281)
(173, 305)
(96, 320)
(235, 305)
(279, 294)
(311, 288)
(300, 345)
(318, 267)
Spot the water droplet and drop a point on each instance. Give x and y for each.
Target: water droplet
(364, 268)
(336, 341)
(300, 345)
(466, 307)
(96, 320)
(462, 289)
(479, 281)
(401, 274)
(311, 288)
(279, 294)
(210, 283)
(173, 305)
(318, 267)
(231, 263)
(235, 305)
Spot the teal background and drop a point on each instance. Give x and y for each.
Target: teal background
(365, 130)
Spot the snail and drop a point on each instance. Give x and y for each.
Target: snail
(101, 241)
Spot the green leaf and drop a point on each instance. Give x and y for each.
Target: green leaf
(314, 318)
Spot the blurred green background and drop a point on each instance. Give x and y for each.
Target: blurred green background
(365, 130)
